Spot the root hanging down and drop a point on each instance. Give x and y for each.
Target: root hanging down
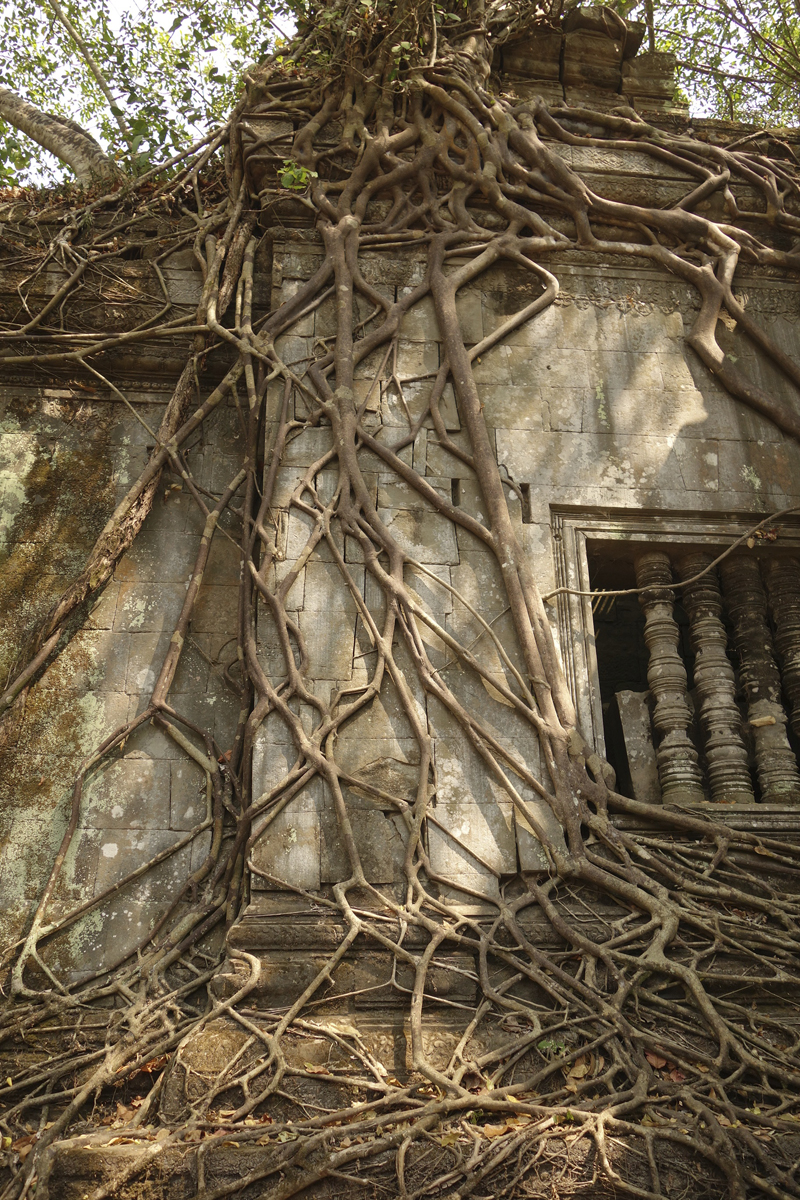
(632, 1024)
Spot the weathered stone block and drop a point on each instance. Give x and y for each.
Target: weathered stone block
(329, 642)
(426, 536)
(539, 334)
(158, 555)
(478, 579)
(536, 56)
(416, 358)
(470, 840)
(378, 844)
(396, 493)
(646, 464)
(187, 794)
(129, 793)
(493, 367)
(625, 372)
(471, 501)
(441, 463)
(326, 590)
(293, 350)
(148, 607)
(532, 856)
(699, 464)
(675, 369)
(96, 659)
(216, 609)
(123, 850)
(294, 534)
(512, 407)
(563, 408)
(305, 326)
(759, 471)
(648, 81)
(288, 848)
(59, 723)
(469, 307)
(303, 449)
(662, 411)
(420, 323)
(278, 573)
(434, 598)
(104, 608)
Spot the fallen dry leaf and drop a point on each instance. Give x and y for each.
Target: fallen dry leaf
(493, 1131)
(24, 1145)
(579, 1069)
(655, 1060)
(450, 1138)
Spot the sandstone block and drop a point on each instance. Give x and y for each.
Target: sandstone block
(128, 793)
(513, 407)
(327, 591)
(379, 847)
(329, 642)
(289, 846)
(426, 536)
(187, 794)
(148, 608)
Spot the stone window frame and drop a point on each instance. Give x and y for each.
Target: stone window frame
(572, 528)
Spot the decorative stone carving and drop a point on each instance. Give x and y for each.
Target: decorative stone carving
(747, 605)
(783, 584)
(645, 295)
(678, 766)
(720, 719)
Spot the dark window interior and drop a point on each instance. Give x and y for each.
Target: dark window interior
(622, 656)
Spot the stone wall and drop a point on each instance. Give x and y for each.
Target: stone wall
(597, 410)
(596, 407)
(69, 451)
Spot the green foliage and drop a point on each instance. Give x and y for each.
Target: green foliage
(173, 66)
(295, 177)
(553, 1047)
(738, 59)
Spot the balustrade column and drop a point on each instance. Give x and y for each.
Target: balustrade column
(678, 768)
(715, 685)
(783, 585)
(747, 605)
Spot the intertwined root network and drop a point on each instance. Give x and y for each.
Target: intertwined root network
(648, 1040)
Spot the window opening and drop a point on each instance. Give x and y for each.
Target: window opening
(699, 686)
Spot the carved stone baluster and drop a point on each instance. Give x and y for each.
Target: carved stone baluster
(678, 768)
(720, 719)
(783, 585)
(747, 605)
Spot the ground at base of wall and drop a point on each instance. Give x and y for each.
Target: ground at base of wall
(165, 1172)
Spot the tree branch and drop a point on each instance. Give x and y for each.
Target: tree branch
(66, 139)
(93, 66)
